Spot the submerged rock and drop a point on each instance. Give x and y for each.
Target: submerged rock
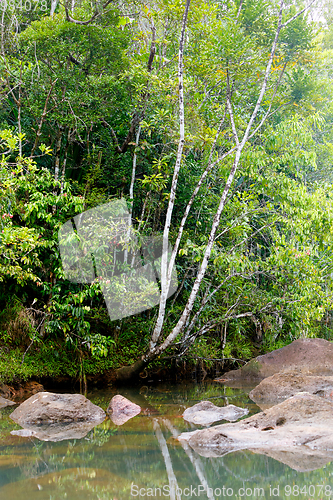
(56, 432)
(283, 385)
(47, 408)
(301, 425)
(205, 413)
(122, 409)
(309, 356)
(6, 402)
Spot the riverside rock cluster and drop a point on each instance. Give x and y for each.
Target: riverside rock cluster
(55, 417)
(295, 389)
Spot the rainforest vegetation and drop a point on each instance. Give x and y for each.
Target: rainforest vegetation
(213, 120)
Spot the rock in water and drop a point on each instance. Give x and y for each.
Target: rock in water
(300, 425)
(205, 413)
(310, 356)
(48, 408)
(281, 386)
(121, 409)
(5, 402)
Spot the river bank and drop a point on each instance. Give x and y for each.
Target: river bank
(63, 370)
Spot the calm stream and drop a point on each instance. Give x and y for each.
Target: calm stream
(142, 456)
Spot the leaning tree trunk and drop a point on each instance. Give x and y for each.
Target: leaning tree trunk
(130, 373)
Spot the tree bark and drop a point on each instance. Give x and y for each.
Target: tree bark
(131, 372)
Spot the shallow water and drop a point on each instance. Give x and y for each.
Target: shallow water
(142, 458)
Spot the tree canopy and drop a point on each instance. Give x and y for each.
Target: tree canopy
(212, 119)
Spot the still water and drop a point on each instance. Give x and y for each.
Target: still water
(142, 458)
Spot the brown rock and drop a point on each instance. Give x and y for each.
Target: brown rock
(47, 408)
(6, 391)
(281, 386)
(25, 389)
(301, 425)
(32, 387)
(205, 413)
(309, 356)
(122, 409)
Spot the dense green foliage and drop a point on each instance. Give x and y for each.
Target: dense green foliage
(86, 103)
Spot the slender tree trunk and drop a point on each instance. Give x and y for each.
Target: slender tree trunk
(54, 4)
(57, 155)
(41, 121)
(63, 170)
(3, 26)
(156, 347)
(172, 198)
(19, 109)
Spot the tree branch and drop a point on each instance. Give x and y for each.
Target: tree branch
(93, 17)
(298, 14)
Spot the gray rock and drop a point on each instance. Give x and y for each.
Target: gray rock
(309, 356)
(300, 425)
(48, 408)
(206, 413)
(6, 402)
(56, 432)
(122, 409)
(281, 386)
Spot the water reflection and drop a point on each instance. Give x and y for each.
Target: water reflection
(113, 463)
(56, 432)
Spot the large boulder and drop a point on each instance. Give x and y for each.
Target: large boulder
(310, 356)
(281, 386)
(301, 424)
(49, 408)
(122, 409)
(206, 413)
